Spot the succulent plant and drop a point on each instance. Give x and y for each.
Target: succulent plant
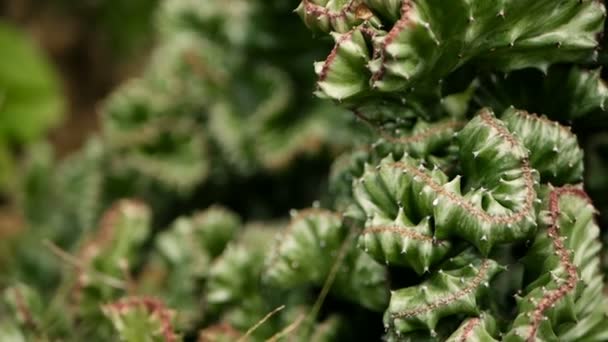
(415, 215)
(210, 107)
(422, 204)
(454, 214)
(203, 101)
(387, 49)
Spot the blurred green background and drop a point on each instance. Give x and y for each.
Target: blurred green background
(59, 59)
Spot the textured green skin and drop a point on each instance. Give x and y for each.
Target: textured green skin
(422, 42)
(505, 165)
(141, 319)
(234, 274)
(496, 206)
(214, 98)
(312, 235)
(432, 142)
(306, 253)
(234, 292)
(554, 149)
(182, 257)
(152, 134)
(74, 188)
(565, 93)
(454, 289)
(220, 100)
(396, 208)
(477, 329)
(564, 264)
(210, 230)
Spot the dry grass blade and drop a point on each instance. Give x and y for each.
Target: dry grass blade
(287, 330)
(258, 324)
(73, 261)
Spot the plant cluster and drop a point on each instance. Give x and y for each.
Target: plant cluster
(454, 213)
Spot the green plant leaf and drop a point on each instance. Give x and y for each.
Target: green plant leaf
(31, 99)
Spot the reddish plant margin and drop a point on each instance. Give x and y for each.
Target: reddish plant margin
(543, 119)
(317, 10)
(400, 25)
(105, 234)
(107, 227)
(449, 299)
(152, 306)
(468, 329)
(333, 54)
(402, 231)
(461, 202)
(551, 297)
(426, 134)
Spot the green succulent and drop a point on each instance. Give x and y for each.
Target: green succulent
(452, 213)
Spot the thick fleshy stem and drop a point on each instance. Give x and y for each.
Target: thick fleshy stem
(551, 297)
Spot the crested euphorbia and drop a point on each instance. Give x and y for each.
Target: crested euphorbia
(455, 214)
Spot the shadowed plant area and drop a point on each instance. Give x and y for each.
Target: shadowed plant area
(313, 170)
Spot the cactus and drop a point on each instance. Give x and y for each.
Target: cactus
(388, 49)
(221, 101)
(496, 186)
(454, 213)
(203, 113)
(141, 318)
(409, 211)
